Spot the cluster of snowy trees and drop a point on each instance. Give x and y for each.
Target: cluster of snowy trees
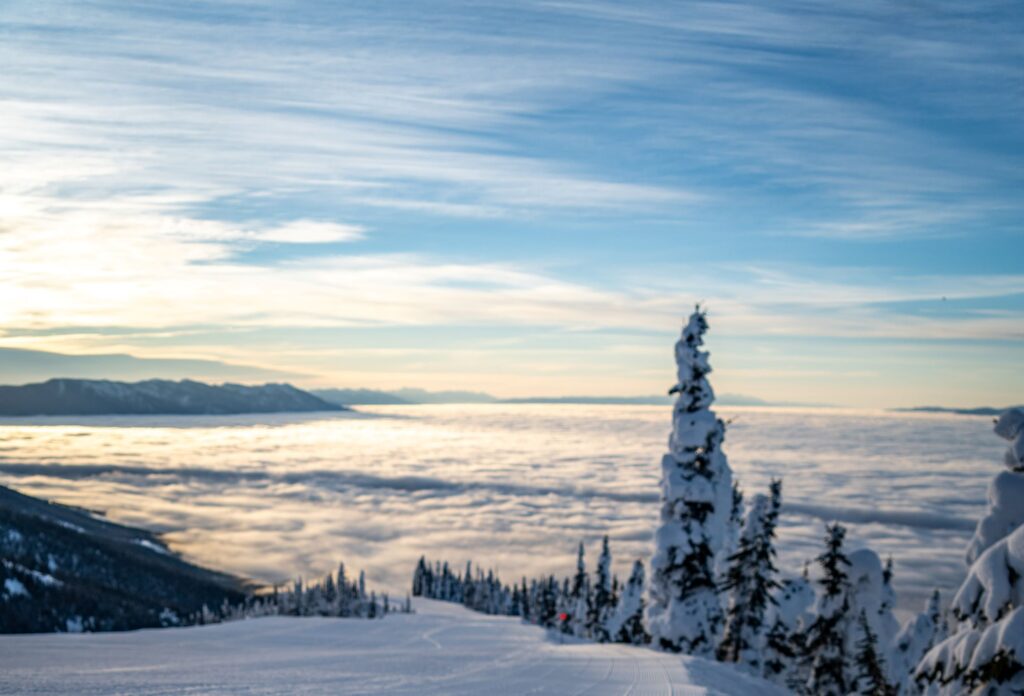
(716, 591)
(335, 596)
(597, 607)
(843, 638)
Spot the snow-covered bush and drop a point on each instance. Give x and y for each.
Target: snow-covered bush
(985, 653)
(684, 613)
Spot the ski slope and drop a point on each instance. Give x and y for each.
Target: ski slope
(442, 649)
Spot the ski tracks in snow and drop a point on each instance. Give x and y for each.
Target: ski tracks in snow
(443, 649)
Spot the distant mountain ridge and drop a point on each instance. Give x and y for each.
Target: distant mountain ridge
(404, 396)
(86, 397)
(978, 411)
(358, 397)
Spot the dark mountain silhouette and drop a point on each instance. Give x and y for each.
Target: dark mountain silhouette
(84, 397)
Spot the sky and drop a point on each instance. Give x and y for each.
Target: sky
(524, 198)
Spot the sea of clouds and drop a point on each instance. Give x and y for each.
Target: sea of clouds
(514, 487)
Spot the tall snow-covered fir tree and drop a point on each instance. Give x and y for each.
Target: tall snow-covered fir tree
(985, 652)
(684, 613)
(750, 582)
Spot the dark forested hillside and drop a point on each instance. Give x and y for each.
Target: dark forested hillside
(62, 569)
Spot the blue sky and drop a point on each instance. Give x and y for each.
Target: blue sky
(523, 197)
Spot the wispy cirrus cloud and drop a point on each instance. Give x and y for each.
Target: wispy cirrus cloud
(354, 106)
(449, 112)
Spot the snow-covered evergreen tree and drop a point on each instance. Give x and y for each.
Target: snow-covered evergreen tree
(870, 678)
(732, 538)
(580, 579)
(985, 653)
(685, 613)
(579, 601)
(547, 610)
(826, 637)
(626, 624)
(914, 639)
(750, 583)
(870, 592)
(788, 616)
(603, 603)
(526, 603)
(420, 586)
(344, 597)
(1006, 492)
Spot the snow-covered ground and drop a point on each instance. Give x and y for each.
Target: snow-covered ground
(442, 649)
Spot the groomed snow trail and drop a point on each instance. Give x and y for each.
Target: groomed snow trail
(442, 649)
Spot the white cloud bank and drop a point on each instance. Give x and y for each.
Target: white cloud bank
(271, 497)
